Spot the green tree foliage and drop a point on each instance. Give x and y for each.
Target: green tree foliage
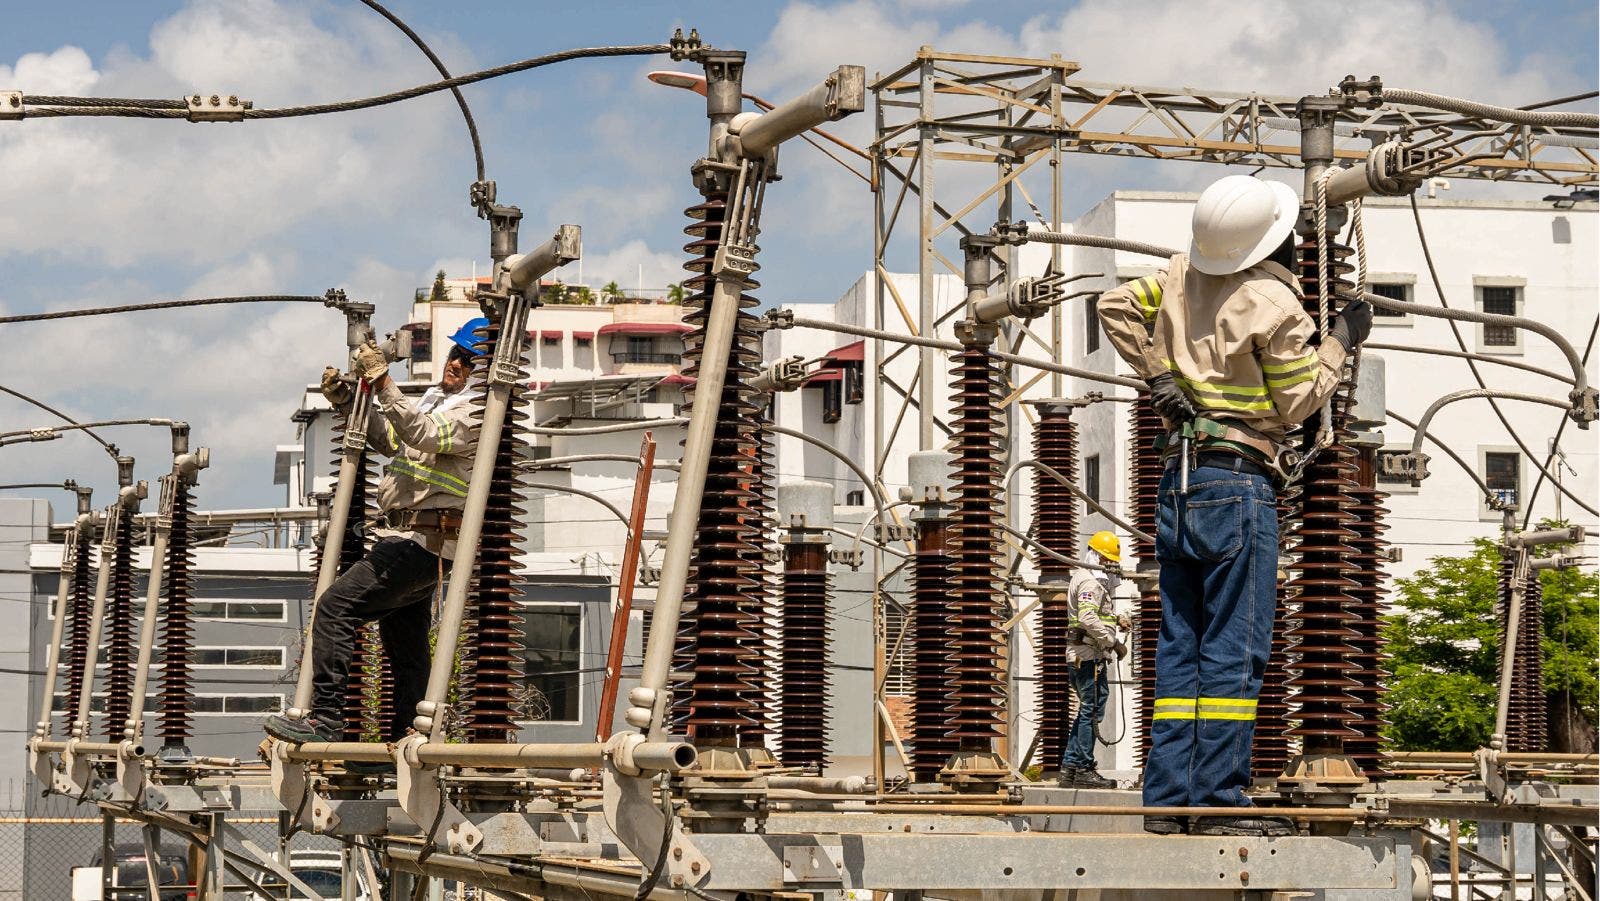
(611, 291)
(675, 293)
(439, 293)
(1443, 646)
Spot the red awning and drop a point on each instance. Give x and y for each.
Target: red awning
(551, 334)
(645, 328)
(853, 352)
(583, 336)
(676, 379)
(827, 374)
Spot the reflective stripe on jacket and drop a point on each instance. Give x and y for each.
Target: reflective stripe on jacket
(432, 441)
(1238, 344)
(1092, 619)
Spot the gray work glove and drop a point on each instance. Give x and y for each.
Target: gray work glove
(1169, 400)
(334, 388)
(1353, 325)
(371, 364)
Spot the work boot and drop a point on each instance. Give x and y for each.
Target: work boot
(299, 731)
(1252, 824)
(369, 767)
(1084, 777)
(1166, 825)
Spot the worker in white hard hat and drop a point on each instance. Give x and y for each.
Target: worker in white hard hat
(1092, 643)
(1233, 363)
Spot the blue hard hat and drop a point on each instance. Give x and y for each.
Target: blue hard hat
(467, 337)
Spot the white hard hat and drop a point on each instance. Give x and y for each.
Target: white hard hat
(1238, 222)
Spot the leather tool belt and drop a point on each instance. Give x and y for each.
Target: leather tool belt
(444, 522)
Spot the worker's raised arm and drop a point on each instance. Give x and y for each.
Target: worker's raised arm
(381, 436)
(1128, 315)
(1298, 376)
(452, 431)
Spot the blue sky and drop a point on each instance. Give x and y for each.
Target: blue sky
(99, 211)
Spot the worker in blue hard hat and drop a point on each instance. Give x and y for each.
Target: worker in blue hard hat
(432, 441)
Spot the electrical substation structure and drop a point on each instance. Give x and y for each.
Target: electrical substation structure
(719, 785)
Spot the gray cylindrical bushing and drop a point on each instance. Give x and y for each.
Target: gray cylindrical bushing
(805, 505)
(1368, 411)
(930, 476)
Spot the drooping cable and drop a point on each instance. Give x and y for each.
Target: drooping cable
(146, 110)
(109, 447)
(1555, 442)
(461, 100)
(1438, 287)
(162, 305)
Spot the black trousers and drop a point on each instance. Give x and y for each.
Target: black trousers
(394, 585)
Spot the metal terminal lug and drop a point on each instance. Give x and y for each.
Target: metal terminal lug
(216, 107)
(1367, 93)
(786, 374)
(682, 48)
(11, 105)
(738, 260)
(1584, 404)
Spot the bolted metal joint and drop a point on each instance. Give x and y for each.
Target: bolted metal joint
(786, 374)
(1584, 403)
(1367, 93)
(216, 107)
(11, 105)
(682, 48)
(976, 334)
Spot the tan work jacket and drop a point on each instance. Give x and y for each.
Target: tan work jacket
(1238, 344)
(1092, 619)
(432, 442)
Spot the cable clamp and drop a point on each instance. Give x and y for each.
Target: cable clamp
(216, 107)
(11, 105)
(1584, 406)
(682, 48)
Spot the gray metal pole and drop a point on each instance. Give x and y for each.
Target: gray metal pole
(358, 328)
(97, 615)
(69, 547)
(428, 720)
(928, 314)
(133, 727)
(684, 520)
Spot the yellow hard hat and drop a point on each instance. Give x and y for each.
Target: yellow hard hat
(1107, 545)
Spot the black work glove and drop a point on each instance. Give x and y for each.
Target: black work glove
(1169, 400)
(1353, 325)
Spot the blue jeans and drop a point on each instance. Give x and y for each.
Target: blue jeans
(1089, 683)
(1218, 550)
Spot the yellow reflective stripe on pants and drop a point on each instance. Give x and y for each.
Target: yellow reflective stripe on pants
(431, 476)
(1225, 709)
(1174, 708)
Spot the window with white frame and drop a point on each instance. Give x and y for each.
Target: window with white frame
(241, 656)
(1394, 287)
(1091, 477)
(240, 704)
(552, 672)
(1501, 470)
(239, 611)
(1504, 297)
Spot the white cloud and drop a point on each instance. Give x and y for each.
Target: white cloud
(176, 190)
(630, 265)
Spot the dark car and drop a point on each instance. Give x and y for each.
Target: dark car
(171, 869)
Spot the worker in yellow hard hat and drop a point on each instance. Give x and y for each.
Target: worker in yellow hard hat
(1092, 642)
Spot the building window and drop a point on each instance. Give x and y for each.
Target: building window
(642, 349)
(854, 389)
(855, 498)
(1505, 300)
(897, 676)
(246, 656)
(1394, 291)
(1091, 477)
(832, 396)
(235, 704)
(1502, 473)
(1091, 325)
(238, 611)
(552, 671)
